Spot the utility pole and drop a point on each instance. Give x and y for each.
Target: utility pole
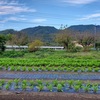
(95, 32)
(95, 29)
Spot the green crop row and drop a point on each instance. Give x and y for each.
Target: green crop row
(40, 85)
(50, 62)
(51, 68)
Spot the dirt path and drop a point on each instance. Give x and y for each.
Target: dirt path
(48, 96)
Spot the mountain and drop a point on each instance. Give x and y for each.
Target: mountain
(7, 31)
(33, 30)
(39, 30)
(85, 28)
(44, 33)
(47, 30)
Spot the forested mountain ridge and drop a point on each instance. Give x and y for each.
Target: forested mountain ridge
(45, 30)
(40, 30)
(85, 28)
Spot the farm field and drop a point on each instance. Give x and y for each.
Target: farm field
(53, 74)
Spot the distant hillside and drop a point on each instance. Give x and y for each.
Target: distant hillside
(40, 30)
(45, 30)
(32, 31)
(45, 33)
(7, 31)
(85, 28)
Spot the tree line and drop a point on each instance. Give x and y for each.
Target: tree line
(65, 37)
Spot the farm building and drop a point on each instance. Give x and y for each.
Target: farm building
(16, 47)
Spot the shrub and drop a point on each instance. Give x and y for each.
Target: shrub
(73, 48)
(13, 54)
(34, 46)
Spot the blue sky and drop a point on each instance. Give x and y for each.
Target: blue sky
(19, 14)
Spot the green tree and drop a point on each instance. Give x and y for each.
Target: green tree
(3, 40)
(97, 45)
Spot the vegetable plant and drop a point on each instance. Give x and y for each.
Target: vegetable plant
(7, 87)
(40, 87)
(77, 87)
(55, 82)
(1, 67)
(95, 88)
(70, 82)
(12, 68)
(32, 83)
(30, 69)
(24, 82)
(18, 68)
(39, 82)
(50, 87)
(24, 86)
(59, 88)
(86, 88)
(23, 69)
(16, 81)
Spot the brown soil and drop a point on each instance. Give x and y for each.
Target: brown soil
(47, 96)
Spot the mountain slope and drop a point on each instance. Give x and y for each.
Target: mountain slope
(40, 30)
(7, 31)
(85, 28)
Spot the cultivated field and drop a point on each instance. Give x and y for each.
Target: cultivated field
(51, 75)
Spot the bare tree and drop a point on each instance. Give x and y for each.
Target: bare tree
(18, 38)
(86, 39)
(64, 37)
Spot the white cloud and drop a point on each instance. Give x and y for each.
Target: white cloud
(13, 7)
(39, 20)
(79, 1)
(13, 19)
(2, 2)
(12, 2)
(92, 16)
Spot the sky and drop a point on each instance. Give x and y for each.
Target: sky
(20, 14)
